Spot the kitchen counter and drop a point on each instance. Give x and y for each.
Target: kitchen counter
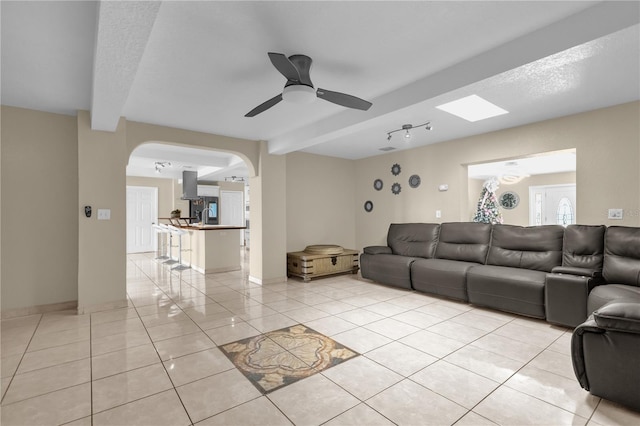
(198, 227)
(215, 251)
(208, 252)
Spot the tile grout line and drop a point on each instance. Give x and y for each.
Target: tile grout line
(91, 366)
(20, 362)
(158, 353)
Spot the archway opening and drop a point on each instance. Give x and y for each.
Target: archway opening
(222, 197)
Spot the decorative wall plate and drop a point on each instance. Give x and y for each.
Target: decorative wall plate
(414, 181)
(509, 200)
(396, 188)
(368, 206)
(396, 169)
(377, 184)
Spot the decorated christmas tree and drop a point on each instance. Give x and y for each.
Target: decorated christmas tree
(488, 209)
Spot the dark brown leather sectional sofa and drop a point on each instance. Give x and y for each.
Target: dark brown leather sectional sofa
(582, 276)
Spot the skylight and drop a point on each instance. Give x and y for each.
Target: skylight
(472, 108)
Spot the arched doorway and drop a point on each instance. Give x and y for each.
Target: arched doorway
(157, 169)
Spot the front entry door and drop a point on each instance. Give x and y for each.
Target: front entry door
(552, 205)
(142, 213)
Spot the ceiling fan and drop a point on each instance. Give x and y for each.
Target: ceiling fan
(299, 88)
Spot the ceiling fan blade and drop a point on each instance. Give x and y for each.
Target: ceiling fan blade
(284, 66)
(264, 106)
(343, 99)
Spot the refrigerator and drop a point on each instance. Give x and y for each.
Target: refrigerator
(211, 204)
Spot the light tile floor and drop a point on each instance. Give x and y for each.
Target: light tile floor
(424, 360)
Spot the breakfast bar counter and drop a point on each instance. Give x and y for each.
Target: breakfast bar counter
(216, 250)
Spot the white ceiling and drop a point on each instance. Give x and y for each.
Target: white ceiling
(203, 65)
(545, 163)
(210, 165)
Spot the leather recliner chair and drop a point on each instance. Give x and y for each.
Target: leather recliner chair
(606, 347)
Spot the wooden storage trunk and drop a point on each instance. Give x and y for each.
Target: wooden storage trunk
(319, 261)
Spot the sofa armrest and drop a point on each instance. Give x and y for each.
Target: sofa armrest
(377, 250)
(581, 272)
(619, 316)
(577, 349)
(566, 298)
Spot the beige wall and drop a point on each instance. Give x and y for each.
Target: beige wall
(85, 258)
(320, 208)
(607, 173)
(268, 217)
(102, 244)
(520, 214)
(39, 167)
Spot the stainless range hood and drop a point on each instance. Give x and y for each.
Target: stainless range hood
(189, 185)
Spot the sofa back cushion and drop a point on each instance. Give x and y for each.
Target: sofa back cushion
(583, 246)
(534, 247)
(622, 255)
(465, 241)
(413, 239)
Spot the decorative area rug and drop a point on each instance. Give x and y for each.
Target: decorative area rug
(279, 358)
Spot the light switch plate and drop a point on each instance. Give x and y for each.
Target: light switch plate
(104, 214)
(615, 214)
(438, 214)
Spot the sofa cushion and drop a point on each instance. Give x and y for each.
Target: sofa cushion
(534, 247)
(583, 246)
(441, 276)
(465, 241)
(622, 255)
(603, 294)
(509, 289)
(388, 269)
(413, 239)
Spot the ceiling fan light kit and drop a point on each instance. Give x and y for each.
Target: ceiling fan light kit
(299, 94)
(300, 90)
(407, 128)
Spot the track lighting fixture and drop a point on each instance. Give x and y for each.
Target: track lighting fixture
(407, 128)
(161, 165)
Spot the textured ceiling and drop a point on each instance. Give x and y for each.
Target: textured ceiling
(203, 65)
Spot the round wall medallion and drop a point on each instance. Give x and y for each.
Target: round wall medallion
(396, 169)
(368, 206)
(414, 181)
(396, 188)
(377, 184)
(509, 200)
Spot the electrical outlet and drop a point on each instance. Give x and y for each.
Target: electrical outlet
(104, 214)
(438, 214)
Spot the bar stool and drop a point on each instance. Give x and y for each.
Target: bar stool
(168, 230)
(179, 232)
(162, 231)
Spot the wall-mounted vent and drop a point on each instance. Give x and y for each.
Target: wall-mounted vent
(388, 148)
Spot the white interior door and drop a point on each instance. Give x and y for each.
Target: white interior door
(142, 213)
(552, 205)
(232, 208)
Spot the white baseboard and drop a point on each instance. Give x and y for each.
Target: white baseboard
(267, 281)
(39, 309)
(88, 309)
